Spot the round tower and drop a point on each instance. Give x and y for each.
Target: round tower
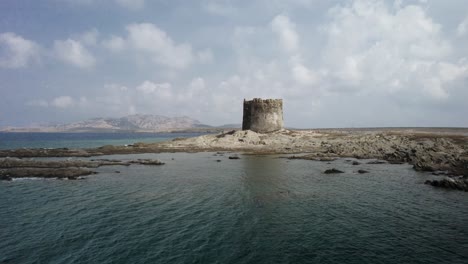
(263, 115)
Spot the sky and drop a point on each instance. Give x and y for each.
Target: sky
(356, 63)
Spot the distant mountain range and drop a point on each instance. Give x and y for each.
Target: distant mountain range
(133, 123)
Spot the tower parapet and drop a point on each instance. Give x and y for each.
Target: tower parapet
(263, 115)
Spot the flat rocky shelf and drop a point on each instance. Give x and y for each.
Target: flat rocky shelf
(442, 151)
(11, 168)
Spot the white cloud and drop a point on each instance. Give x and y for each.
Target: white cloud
(303, 75)
(147, 97)
(16, 51)
(131, 4)
(63, 102)
(38, 102)
(286, 31)
(162, 90)
(78, 2)
(217, 7)
(150, 43)
(462, 28)
(205, 56)
(403, 46)
(147, 37)
(361, 55)
(128, 4)
(194, 94)
(197, 84)
(74, 53)
(89, 37)
(114, 43)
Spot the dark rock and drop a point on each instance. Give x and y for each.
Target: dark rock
(310, 157)
(146, 162)
(423, 167)
(218, 160)
(326, 159)
(460, 184)
(48, 164)
(43, 172)
(376, 162)
(5, 178)
(233, 157)
(332, 171)
(356, 163)
(362, 171)
(63, 169)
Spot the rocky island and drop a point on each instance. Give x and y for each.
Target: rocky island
(442, 151)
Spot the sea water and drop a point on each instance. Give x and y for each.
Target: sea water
(82, 140)
(206, 208)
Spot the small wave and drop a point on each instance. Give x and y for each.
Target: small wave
(32, 179)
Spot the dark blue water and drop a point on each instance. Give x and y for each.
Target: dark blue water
(82, 140)
(259, 209)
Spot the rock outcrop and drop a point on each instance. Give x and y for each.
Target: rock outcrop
(427, 150)
(11, 168)
(332, 171)
(460, 184)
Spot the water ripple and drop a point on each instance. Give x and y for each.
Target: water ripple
(253, 210)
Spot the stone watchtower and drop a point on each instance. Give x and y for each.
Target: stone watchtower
(263, 115)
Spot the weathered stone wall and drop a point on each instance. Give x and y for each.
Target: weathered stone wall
(263, 115)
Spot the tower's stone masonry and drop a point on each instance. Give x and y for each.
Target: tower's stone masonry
(263, 115)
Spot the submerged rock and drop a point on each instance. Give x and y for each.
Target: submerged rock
(428, 149)
(362, 171)
(233, 157)
(460, 184)
(25, 163)
(6, 174)
(61, 169)
(5, 177)
(312, 157)
(146, 162)
(332, 171)
(376, 162)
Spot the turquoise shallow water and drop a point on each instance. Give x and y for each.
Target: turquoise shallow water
(259, 209)
(82, 140)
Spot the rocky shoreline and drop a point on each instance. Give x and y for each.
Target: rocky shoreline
(441, 151)
(11, 168)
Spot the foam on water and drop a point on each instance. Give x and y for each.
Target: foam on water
(33, 179)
